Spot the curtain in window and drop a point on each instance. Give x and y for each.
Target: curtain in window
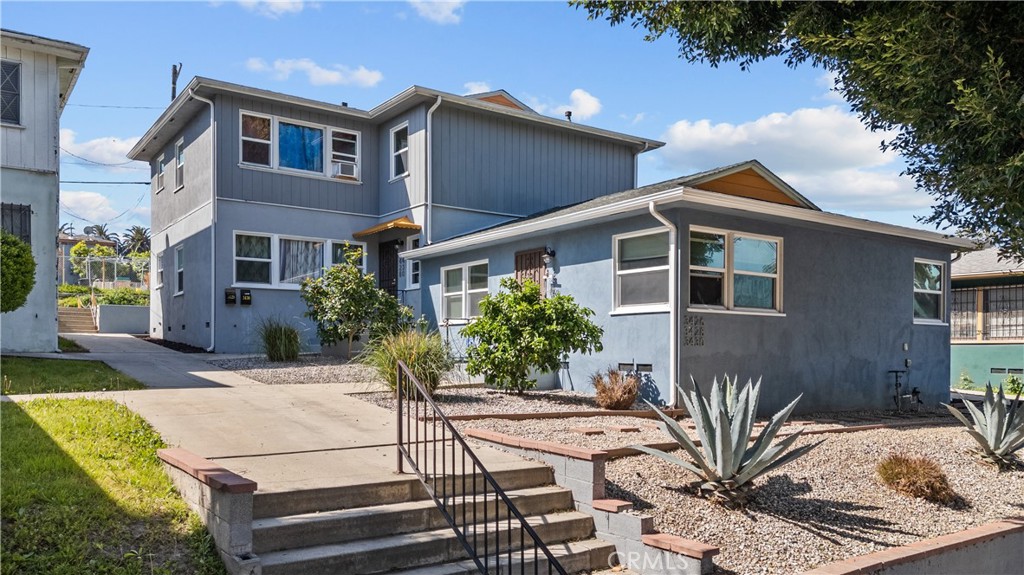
(301, 147)
(300, 260)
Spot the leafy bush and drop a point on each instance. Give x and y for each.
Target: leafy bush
(17, 272)
(74, 289)
(123, 296)
(93, 262)
(614, 389)
(72, 301)
(917, 477)
(517, 330)
(425, 354)
(279, 341)
(998, 431)
(1014, 384)
(965, 381)
(724, 426)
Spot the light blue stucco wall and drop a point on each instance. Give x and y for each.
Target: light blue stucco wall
(847, 313)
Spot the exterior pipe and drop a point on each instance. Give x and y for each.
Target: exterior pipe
(213, 222)
(636, 163)
(673, 298)
(428, 229)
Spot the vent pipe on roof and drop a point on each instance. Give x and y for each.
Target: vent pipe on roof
(175, 70)
(568, 115)
(344, 104)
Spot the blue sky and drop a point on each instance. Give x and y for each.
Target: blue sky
(544, 53)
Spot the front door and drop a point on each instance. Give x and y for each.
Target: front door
(387, 266)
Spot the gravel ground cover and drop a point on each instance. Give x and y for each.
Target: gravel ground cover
(478, 400)
(826, 506)
(308, 369)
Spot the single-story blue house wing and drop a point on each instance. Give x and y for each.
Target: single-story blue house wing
(725, 271)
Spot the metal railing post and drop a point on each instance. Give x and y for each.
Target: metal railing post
(398, 400)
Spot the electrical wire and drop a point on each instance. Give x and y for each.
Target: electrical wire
(63, 149)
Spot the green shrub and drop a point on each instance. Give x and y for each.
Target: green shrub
(74, 289)
(73, 301)
(1014, 384)
(279, 341)
(917, 477)
(425, 354)
(17, 272)
(614, 389)
(123, 296)
(965, 381)
(518, 329)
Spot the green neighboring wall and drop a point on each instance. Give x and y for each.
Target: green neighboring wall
(978, 360)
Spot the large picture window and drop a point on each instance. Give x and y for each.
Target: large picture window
(929, 277)
(734, 271)
(284, 262)
(280, 143)
(463, 288)
(641, 270)
(300, 259)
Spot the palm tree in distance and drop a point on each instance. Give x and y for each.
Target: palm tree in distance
(136, 240)
(103, 231)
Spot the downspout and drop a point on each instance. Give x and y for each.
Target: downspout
(427, 227)
(213, 223)
(673, 332)
(636, 162)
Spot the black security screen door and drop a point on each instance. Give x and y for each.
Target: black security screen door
(387, 266)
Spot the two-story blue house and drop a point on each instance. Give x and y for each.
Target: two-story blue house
(253, 191)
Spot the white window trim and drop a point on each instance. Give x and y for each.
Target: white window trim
(943, 297)
(179, 165)
(618, 309)
(465, 291)
(179, 270)
(409, 264)
(328, 152)
(21, 96)
(730, 273)
(395, 153)
(160, 173)
(275, 258)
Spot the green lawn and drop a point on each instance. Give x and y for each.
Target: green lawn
(34, 375)
(69, 346)
(83, 492)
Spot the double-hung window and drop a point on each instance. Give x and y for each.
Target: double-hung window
(179, 270)
(285, 262)
(10, 92)
(413, 266)
(735, 271)
(299, 260)
(253, 259)
(641, 270)
(463, 287)
(161, 165)
(929, 304)
(179, 164)
(400, 151)
(284, 144)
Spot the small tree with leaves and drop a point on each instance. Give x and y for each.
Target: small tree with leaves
(518, 329)
(17, 272)
(93, 262)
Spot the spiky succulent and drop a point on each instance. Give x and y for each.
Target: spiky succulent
(729, 461)
(999, 431)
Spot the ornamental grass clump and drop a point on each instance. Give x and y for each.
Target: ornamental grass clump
(425, 354)
(998, 430)
(278, 340)
(724, 423)
(917, 477)
(615, 389)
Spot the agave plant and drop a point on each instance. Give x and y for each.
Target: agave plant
(999, 432)
(729, 461)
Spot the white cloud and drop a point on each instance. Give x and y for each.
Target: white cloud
(824, 153)
(107, 150)
(634, 119)
(828, 82)
(476, 87)
(439, 12)
(583, 104)
(92, 207)
(337, 74)
(274, 8)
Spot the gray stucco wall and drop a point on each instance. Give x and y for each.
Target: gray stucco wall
(122, 318)
(847, 313)
(33, 327)
(183, 317)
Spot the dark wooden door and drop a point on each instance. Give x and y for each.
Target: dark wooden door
(387, 266)
(530, 264)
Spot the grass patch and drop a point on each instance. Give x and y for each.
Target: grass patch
(69, 345)
(35, 375)
(83, 492)
(916, 477)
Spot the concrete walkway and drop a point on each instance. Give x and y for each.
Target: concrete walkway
(283, 437)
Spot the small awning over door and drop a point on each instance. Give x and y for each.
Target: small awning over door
(402, 223)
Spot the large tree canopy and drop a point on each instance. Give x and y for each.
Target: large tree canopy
(947, 77)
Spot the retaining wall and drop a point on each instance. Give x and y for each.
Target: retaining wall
(122, 318)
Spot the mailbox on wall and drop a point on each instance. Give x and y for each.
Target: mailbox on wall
(230, 296)
(246, 297)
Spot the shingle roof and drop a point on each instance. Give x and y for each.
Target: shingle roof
(984, 262)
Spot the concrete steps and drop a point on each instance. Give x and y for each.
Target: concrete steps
(574, 556)
(75, 320)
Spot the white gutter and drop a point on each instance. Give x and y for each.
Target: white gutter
(428, 229)
(213, 223)
(673, 304)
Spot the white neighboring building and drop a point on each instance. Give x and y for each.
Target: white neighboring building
(36, 77)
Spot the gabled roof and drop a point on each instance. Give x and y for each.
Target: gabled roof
(70, 58)
(984, 263)
(502, 98)
(750, 179)
(185, 106)
(687, 190)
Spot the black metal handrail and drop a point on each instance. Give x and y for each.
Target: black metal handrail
(459, 490)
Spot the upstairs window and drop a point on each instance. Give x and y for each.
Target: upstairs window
(344, 155)
(929, 306)
(734, 271)
(179, 164)
(256, 140)
(161, 164)
(10, 92)
(400, 151)
(463, 288)
(300, 147)
(279, 143)
(641, 270)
